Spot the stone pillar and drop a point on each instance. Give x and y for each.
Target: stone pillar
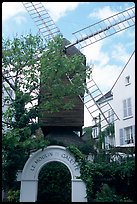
(78, 191)
(28, 192)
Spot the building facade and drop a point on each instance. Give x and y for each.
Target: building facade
(124, 104)
(121, 97)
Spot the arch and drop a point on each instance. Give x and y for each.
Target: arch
(54, 183)
(29, 178)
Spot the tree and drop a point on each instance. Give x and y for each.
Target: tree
(62, 77)
(27, 64)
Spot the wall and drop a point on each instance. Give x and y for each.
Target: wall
(121, 92)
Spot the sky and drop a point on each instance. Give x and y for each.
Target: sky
(107, 56)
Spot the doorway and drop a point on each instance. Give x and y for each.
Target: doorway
(54, 183)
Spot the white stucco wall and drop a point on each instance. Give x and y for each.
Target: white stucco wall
(120, 92)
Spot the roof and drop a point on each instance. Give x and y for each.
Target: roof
(123, 69)
(105, 96)
(71, 50)
(65, 138)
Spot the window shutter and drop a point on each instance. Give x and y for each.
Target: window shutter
(121, 134)
(124, 108)
(129, 106)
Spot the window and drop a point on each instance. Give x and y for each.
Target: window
(127, 80)
(127, 135)
(127, 109)
(95, 132)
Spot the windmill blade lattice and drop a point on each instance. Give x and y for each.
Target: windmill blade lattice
(91, 101)
(104, 28)
(42, 19)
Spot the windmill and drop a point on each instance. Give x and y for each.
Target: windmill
(84, 37)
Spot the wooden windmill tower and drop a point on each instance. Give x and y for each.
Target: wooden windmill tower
(74, 119)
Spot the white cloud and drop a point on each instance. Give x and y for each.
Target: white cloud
(59, 9)
(11, 9)
(102, 13)
(105, 76)
(119, 53)
(92, 52)
(55, 9)
(20, 19)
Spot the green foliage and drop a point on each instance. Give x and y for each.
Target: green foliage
(57, 69)
(54, 183)
(16, 147)
(20, 57)
(107, 181)
(13, 196)
(105, 194)
(79, 156)
(86, 174)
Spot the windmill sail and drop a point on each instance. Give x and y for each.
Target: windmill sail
(42, 19)
(104, 28)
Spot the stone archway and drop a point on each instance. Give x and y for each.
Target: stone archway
(29, 178)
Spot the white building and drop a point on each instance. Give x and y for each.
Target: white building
(121, 98)
(124, 104)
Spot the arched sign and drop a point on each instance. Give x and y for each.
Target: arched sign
(29, 177)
